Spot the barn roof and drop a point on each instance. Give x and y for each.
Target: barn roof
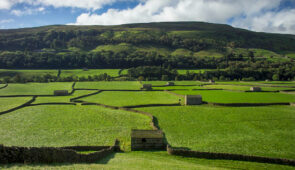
(147, 134)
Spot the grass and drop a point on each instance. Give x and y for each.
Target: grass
(90, 72)
(132, 98)
(62, 98)
(208, 53)
(182, 52)
(221, 96)
(179, 83)
(108, 85)
(257, 131)
(69, 125)
(12, 102)
(152, 160)
(131, 48)
(35, 88)
(25, 73)
(245, 88)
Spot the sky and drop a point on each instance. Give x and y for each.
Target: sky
(274, 16)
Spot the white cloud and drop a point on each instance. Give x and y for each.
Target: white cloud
(275, 22)
(249, 14)
(27, 11)
(5, 21)
(85, 4)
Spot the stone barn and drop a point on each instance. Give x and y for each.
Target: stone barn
(170, 84)
(292, 104)
(255, 89)
(193, 100)
(147, 140)
(146, 87)
(211, 81)
(61, 93)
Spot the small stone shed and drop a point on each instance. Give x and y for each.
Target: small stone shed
(255, 89)
(211, 81)
(147, 140)
(170, 84)
(193, 100)
(146, 87)
(61, 92)
(292, 104)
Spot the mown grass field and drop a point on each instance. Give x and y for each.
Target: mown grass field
(153, 160)
(221, 96)
(65, 99)
(12, 102)
(35, 88)
(246, 88)
(263, 131)
(69, 125)
(110, 85)
(132, 98)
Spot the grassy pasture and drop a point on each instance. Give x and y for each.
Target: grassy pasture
(35, 88)
(130, 48)
(179, 83)
(208, 53)
(26, 73)
(69, 125)
(245, 88)
(90, 72)
(12, 102)
(62, 98)
(245, 130)
(221, 96)
(153, 160)
(109, 85)
(132, 98)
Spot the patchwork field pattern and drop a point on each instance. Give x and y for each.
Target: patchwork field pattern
(47, 121)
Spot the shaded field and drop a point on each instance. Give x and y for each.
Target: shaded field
(110, 85)
(11, 102)
(69, 125)
(90, 72)
(132, 98)
(221, 96)
(259, 131)
(26, 73)
(153, 160)
(35, 88)
(179, 83)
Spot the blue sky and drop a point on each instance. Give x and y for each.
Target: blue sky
(276, 16)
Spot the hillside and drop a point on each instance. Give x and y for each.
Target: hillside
(177, 44)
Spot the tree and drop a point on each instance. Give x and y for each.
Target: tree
(276, 77)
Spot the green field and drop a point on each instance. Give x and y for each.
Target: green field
(69, 125)
(132, 98)
(89, 72)
(109, 85)
(245, 130)
(221, 96)
(153, 160)
(56, 99)
(260, 131)
(27, 73)
(12, 102)
(245, 88)
(35, 88)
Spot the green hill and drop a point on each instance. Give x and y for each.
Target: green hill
(98, 46)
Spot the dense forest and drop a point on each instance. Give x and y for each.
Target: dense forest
(189, 45)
